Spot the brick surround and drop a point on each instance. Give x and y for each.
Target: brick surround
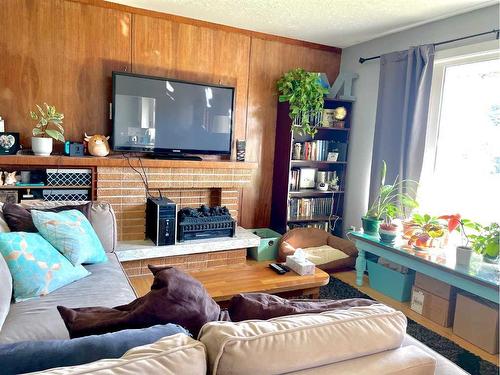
(124, 189)
(189, 262)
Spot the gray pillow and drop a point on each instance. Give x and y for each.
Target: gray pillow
(31, 356)
(5, 290)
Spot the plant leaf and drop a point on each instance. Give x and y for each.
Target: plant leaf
(55, 134)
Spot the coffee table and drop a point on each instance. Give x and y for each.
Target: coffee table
(224, 282)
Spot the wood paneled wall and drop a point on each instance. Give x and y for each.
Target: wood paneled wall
(63, 52)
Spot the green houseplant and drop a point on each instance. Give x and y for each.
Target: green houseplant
(48, 127)
(487, 242)
(305, 94)
(389, 203)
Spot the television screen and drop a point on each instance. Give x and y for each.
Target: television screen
(161, 115)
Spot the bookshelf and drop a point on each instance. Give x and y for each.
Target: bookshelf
(294, 205)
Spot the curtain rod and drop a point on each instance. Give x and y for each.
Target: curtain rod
(497, 31)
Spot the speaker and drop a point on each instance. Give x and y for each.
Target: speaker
(161, 220)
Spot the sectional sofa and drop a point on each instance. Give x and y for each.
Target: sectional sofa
(359, 340)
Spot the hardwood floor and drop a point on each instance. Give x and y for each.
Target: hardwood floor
(349, 277)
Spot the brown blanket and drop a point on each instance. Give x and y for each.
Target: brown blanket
(266, 306)
(175, 297)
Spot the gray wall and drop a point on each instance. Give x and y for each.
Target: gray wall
(366, 90)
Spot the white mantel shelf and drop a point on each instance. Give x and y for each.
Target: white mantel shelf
(135, 250)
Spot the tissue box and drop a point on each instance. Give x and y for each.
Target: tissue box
(300, 264)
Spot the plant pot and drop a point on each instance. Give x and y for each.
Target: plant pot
(490, 259)
(408, 228)
(370, 225)
(388, 236)
(41, 146)
(464, 254)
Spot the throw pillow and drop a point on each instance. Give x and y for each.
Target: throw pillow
(19, 218)
(5, 291)
(72, 234)
(4, 227)
(30, 356)
(36, 267)
(175, 297)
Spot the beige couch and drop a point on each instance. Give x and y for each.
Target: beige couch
(361, 340)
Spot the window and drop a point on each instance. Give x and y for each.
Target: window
(461, 172)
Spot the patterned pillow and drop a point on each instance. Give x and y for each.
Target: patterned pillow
(36, 267)
(72, 234)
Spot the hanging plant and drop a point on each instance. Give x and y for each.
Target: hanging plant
(304, 92)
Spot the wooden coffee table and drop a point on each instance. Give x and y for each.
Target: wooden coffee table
(225, 282)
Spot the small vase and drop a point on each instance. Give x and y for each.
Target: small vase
(370, 225)
(464, 254)
(41, 146)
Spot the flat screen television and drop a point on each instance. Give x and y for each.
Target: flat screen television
(170, 117)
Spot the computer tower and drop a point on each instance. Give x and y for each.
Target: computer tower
(161, 225)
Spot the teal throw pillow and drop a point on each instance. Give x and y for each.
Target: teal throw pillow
(72, 234)
(36, 267)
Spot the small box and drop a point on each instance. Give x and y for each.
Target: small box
(433, 307)
(392, 283)
(436, 287)
(299, 264)
(268, 248)
(476, 320)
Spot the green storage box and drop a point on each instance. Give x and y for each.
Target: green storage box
(389, 282)
(268, 248)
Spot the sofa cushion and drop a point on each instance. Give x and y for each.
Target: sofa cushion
(38, 319)
(100, 214)
(5, 290)
(298, 342)
(37, 268)
(30, 356)
(408, 360)
(72, 234)
(177, 354)
(19, 217)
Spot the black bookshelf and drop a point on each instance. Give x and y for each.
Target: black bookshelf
(284, 213)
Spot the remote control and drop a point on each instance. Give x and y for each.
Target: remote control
(283, 265)
(278, 269)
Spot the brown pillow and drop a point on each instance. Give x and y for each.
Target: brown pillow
(175, 297)
(266, 306)
(19, 218)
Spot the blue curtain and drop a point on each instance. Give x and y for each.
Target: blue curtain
(402, 108)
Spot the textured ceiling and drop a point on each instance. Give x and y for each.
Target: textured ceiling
(339, 23)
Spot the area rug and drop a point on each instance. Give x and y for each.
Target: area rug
(471, 363)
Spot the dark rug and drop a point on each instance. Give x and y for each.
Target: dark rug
(471, 363)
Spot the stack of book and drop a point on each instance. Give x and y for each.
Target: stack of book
(295, 179)
(320, 225)
(309, 207)
(319, 149)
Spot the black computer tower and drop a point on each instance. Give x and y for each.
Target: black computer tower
(161, 225)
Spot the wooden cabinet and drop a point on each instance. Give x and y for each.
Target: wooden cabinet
(296, 205)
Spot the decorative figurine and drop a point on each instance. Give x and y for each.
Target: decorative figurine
(97, 145)
(9, 178)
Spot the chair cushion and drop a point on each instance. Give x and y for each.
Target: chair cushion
(324, 254)
(37, 268)
(5, 290)
(30, 356)
(72, 234)
(38, 318)
(177, 354)
(298, 342)
(19, 218)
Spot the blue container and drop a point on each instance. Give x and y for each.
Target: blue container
(268, 248)
(389, 282)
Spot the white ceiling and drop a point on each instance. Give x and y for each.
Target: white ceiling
(339, 23)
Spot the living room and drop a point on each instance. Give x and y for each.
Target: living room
(241, 187)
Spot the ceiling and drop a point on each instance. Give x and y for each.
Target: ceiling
(339, 23)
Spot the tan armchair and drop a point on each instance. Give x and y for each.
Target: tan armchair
(337, 254)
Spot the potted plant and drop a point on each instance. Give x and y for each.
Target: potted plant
(425, 230)
(305, 94)
(487, 242)
(389, 202)
(463, 251)
(388, 232)
(333, 184)
(43, 132)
